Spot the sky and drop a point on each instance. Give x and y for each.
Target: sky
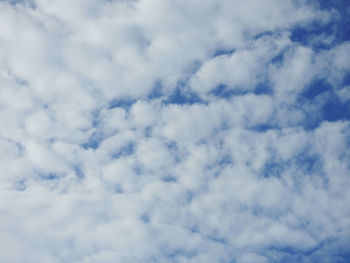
(174, 131)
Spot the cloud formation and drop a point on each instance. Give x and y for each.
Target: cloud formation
(174, 131)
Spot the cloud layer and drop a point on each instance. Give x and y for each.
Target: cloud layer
(174, 131)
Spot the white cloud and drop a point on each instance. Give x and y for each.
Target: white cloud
(117, 144)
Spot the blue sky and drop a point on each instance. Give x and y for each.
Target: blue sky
(174, 131)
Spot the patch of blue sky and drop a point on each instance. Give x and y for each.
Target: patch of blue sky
(214, 236)
(192, 68)
(157, 91)
(336, 110)
(169, 178)
(287, 254)
(49, 176)
(221, 163)
(311, 121)
(224, 160)
(125, 150)
(95, 116)
(223, 52)
(338, 249)
(263, 87)
(340, 23)
(325, 251)
(145, 218)
(278, 59)
(177, 253)
(124, 103)
(344, 258)
(225, 92)
(337, 28)
(118, 189)
(273, 169)
(346, 79)
(175, 151)
(310, 163)
(78, 172)
(329, 106)
(263, 34)
(264, 127)
(193, 228)
(182, 97)
(148, 132)
(317, 87)
(314, 36)
(222, 91)
(179, 95)
(93, 142)
(218, 239)
(306, 162)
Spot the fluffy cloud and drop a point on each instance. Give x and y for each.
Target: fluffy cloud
(174, 131)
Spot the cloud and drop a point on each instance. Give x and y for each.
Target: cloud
(163, 131)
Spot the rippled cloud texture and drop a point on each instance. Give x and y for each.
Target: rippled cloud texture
(174, 131)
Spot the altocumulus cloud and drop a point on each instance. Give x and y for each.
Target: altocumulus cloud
(174, 131)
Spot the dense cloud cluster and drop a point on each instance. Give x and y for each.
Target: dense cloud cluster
(174, 131)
